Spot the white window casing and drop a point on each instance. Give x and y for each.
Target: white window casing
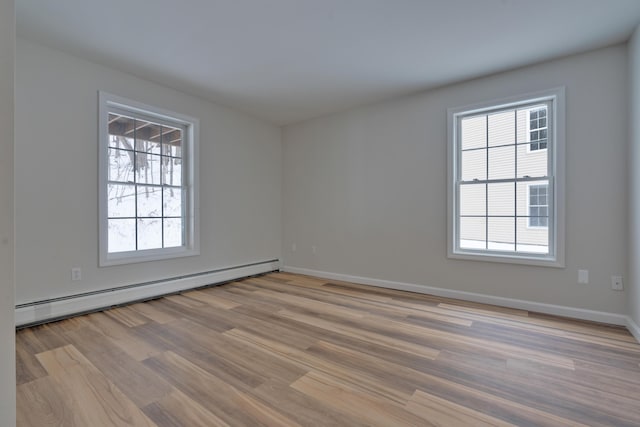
(148, 182)
(491, 167)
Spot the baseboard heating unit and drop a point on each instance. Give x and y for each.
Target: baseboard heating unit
(37, 312)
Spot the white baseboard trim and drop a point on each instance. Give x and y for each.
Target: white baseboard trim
(633, 328)
(557, 310)
(42, 311)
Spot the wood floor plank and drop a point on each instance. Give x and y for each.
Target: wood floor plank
(445, 413)
(219, 355)
(304, 409)
(92, 397)
(127, 316)
(442, 339)
(308, 361)
(186, 301)
(28, 368)
(255, 362)
(381, 339)
(234, 407)
(374, 411)
(148, 310)
(122, 336)
(177, 409)
(208, 296)
(40, 403)
(136, 381)
(39, 338)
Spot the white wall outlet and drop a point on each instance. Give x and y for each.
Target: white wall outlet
(314, 249)
(293, 247)
(616, 283)
(583, 276)
(76, 274)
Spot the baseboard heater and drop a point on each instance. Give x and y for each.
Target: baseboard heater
(53, 309)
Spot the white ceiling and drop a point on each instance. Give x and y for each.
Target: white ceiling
(289, 60)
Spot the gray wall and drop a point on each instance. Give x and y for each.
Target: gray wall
(56, 178)
(633, 284)
(7, 334)
(367, 188)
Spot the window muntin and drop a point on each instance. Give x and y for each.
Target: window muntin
(492, 168)
(148, 183)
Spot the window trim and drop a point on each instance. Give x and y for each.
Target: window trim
(191, 247)
(556, 180)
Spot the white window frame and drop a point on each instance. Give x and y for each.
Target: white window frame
(536, 227)
(191, 245)
(556, 180)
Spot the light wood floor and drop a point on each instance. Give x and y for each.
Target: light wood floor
(284, 350)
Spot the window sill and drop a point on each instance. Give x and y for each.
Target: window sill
(548, 261)
(135, 257)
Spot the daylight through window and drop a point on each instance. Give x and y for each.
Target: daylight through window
(148, 186)
(503, 180)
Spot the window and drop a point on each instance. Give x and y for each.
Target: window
(537, 129)
(506, 185)
(148, 189)
(538, 207)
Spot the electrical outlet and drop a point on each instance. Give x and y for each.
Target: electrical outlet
(583, 276)
(76, 274)
(616, 283)
(314, 249)
(293, 247)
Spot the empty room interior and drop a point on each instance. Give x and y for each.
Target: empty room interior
(305, 212)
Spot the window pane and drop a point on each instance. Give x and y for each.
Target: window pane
(172, 232)
(147, 168)
(531, 163)
(502, 199)
(472, 199)
(502, 163)
(524, 196)
(172, 171)
(149, 147)
(172, 142)
(149, 233)
(501, 236)
(148, 138)
(149, 201)
(502, 128)
(171, 150)
(172, 202)
(522, 125)
(121, 200)
(473, 165)
(121, 142)
(473, 132)
(120, 165)
(121, 131)
(532, 240)
(473, 233)
(122, 235)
